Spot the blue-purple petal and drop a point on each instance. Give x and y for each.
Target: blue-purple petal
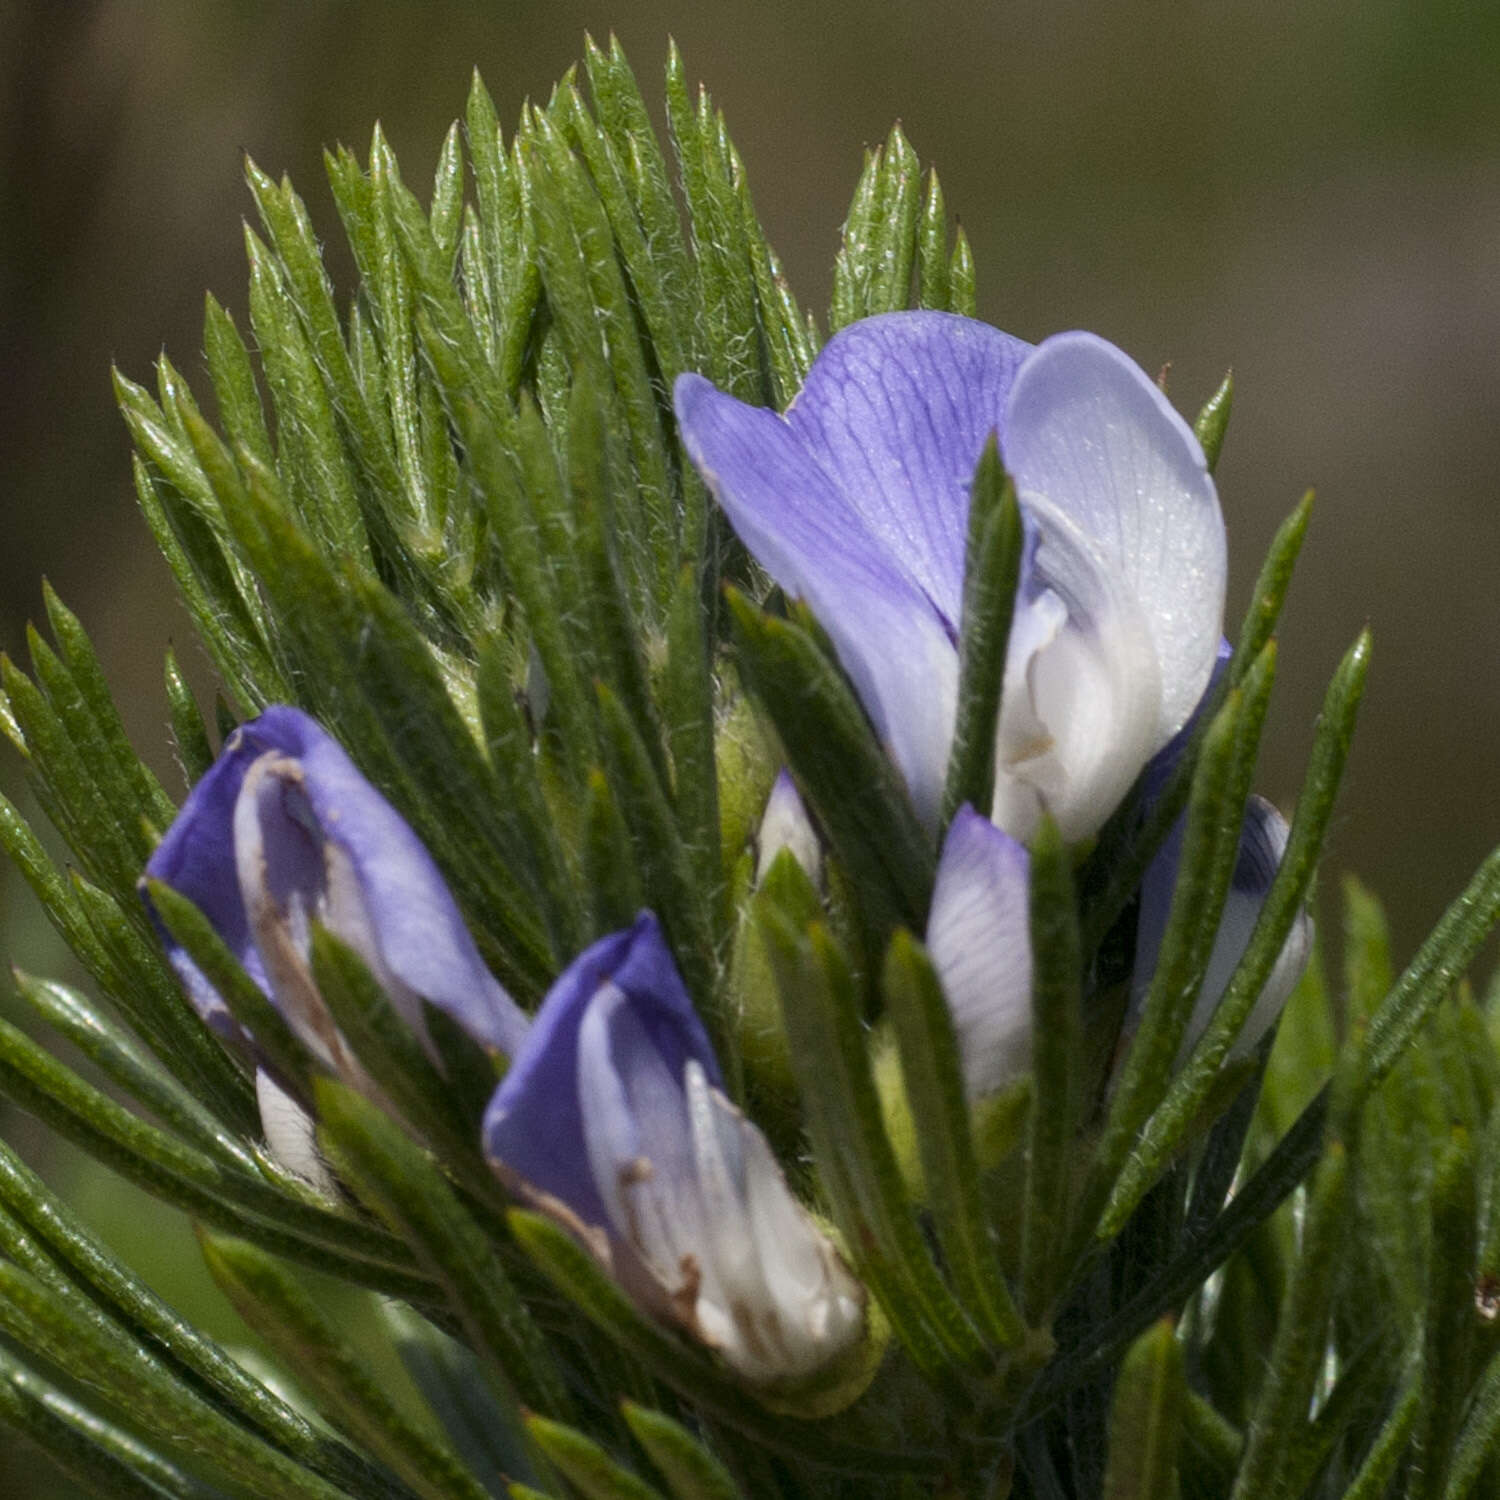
(196, 858)
(896, 410)
(892, 639)
(1263, 838)
(416, 925)
(534, 1126)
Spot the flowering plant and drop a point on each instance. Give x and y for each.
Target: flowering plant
(728, 912)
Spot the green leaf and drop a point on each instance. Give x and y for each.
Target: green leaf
(101, 1457)
(662, 305)
(528, 509)
(854, 789)
(1440, 961)
(140, 1312)
(1190, 1089)
(688, 703)
(585, 1464)
(667, 872)
(1057, 1068)
(614, 880)
(312, 461)
(189, 733)
(510, 268)
(451, 1380)
(962, 295)
(691, 1471)
(148, 994)
(1197, 1257)
(532, 831)
(851, 267)
(390, 1055)
(1373, 1478)
(1146, 1419)
(246, 1001)
(617, 633)
(1209, 847)
(933, 1076)
(790, 345)
(233, 378)
(121, 1060)
(892, 250)
(725, 299)
(688, 1371)
(374, 680)
(1475, 1444)
(286, 1316)
(1210, 425)
(587, 1467)
(992, 571)
(932, 248)
(587, 295)
(393, 1174)
(127, 1374)
(1301, 1332)
(176, 1172)
(856, 1164)
(63, 758)
(231, 635)
(1451, 1332)
(103, 718)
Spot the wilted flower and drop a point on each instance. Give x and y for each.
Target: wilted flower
(613, 1118)
(283, 832)
(857, 501)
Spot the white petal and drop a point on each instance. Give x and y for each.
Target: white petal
(786, 825)
(1090, 434)
(775, 1298)
(291, 1135)
(979, 936)
(1081, 704)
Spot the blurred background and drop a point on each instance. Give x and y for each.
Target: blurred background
(1308, 193)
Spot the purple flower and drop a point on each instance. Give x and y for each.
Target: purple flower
(1263, 840)
(612, 1118)
(857, 501)
(282, 832)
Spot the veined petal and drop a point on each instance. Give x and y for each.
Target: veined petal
(1081, 704)
(979, 936)
(893, 640)
(896, 411)
(1263, 840)
(1089, 434)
